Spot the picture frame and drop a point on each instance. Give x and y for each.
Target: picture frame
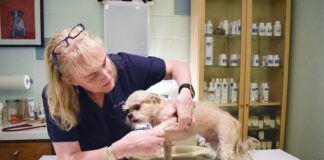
(21, 23)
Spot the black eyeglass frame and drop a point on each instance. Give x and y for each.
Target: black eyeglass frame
(56, 54)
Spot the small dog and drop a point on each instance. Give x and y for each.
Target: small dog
(18, 24)
(219, 128)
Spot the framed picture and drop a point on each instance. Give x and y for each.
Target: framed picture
(21, 23)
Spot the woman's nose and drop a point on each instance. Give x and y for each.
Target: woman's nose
(105, 75)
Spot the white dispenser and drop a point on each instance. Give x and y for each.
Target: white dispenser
(209, 27)
(233, 28)
(268, 29)
(218, 89)
(211, 92)
(222, 60)
(261, 29)
(276, 60)
(254, 92)
(256, 60)
(224, 94)
(270, 61)
(254, 29)
(264, 93)
(233, 90)
(277, 29)
(209, 51)
(226, 27)
(238, 27)
(234, 60)
(205, 91)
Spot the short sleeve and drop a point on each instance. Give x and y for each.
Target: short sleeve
(55, 133)
(146, 71)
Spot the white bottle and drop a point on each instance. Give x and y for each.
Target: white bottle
(205, 91)
(264, 93)
(276, 61)
(268, 29)
(233, 91)
(256, 60)
(234, 60)
(254, 29)
(218, 89)
(210, 92)
(264, 61)
(238, 27)
(222, 60)
(277, 29)
(209, 51)
(254, 92)
(226, 27)
(224, 94)
(270, 61)
(261, 29)
(233, 28)
(220, 25)
(209, 27)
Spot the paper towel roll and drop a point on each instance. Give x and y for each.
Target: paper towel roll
(15, 82)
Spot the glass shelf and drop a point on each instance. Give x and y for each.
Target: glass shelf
(272, 104)
(222, 66)
(236, 36)
(267, 37)
(221, 104)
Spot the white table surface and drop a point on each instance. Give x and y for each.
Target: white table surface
(32, 134)
(273, 154)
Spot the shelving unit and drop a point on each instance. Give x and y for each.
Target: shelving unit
(245, 45)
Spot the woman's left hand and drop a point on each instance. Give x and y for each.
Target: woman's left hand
(183, 106)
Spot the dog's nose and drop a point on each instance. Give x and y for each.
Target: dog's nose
(130, 115)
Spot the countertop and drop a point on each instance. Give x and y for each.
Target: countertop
(273, 154)
(31, 134)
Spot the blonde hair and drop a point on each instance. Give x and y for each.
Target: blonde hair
(76, 58)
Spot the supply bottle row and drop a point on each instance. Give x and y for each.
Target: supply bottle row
(234, 28)
(221, 91)
(259, 94)
(224, 27)
(266, 29)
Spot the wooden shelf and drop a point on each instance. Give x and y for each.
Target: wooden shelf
(263, 129)
(221, 105)
(272, 104)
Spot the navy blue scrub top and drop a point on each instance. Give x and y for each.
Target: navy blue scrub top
(99, 127)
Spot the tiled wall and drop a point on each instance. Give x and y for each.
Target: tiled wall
(169, 37)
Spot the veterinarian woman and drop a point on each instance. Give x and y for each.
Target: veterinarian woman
(87, 88)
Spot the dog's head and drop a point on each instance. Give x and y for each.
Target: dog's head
(141, 106)
(17, 14)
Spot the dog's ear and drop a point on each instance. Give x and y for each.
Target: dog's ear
(154, 98)
(20, 13)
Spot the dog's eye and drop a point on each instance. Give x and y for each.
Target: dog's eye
(136, 106)
(127, 110)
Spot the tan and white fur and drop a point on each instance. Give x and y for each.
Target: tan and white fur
(219, 128)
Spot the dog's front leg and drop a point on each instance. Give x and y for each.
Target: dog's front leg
(167, 146)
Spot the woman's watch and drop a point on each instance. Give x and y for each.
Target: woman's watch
(189, 86)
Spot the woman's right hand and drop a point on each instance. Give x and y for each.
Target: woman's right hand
(139, 143)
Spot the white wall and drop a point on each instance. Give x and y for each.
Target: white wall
(169, 38)
(305, 120)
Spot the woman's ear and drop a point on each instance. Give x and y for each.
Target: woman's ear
(71, 81)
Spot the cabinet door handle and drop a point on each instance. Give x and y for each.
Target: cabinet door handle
(15, 155)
